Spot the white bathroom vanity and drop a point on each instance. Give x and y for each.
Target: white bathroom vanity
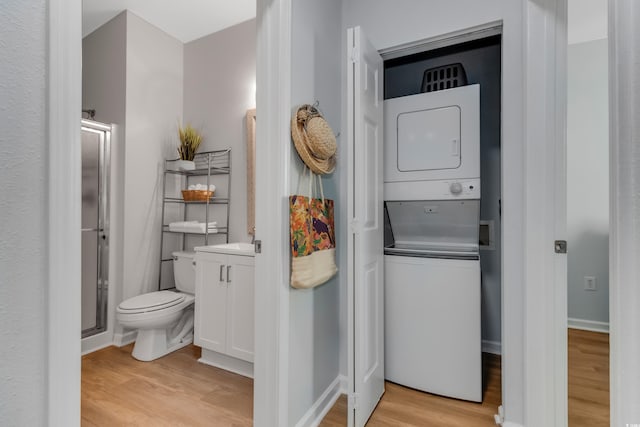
(224, 308)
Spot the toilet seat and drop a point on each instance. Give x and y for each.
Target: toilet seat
(152, 301)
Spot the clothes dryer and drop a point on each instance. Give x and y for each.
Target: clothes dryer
(432, 145)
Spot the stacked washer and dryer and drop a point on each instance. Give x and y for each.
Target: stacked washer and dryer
(432, 262)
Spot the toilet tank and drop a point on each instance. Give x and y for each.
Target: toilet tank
(184, 271)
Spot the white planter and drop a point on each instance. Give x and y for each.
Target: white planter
(184, 165)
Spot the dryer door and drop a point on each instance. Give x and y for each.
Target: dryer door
(429, 139)
(432, 136)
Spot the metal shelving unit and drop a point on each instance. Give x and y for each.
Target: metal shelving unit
(209, 165)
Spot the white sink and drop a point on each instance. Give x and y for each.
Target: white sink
(239, 248)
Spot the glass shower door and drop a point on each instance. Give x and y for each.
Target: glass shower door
(95, 156)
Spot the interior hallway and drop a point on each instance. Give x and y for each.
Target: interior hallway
(177, 390)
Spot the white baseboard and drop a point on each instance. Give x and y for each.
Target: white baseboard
(493, 347)
(128, 337)
(510, 424)
(228, 363)
(588, 325)
(344, 384)
(96, 342)
(323, 405)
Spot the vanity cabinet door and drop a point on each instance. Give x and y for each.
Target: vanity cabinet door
(211, 301)
(241, 307)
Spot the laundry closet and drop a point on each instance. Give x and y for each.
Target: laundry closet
(435, 139)
(442, 206)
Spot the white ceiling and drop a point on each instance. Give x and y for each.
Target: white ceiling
(587, 20)
(185, 20)
(188, 20)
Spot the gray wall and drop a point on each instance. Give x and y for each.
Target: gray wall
(588, 180)
(133, 76)
(153, 109)
(314, 334)
(481, 61)
(23, 209)
(219, 88)
(104, 73)
(389, 24)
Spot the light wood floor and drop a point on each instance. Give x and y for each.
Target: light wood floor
(176, 390)
(588, 379)
(588, 394)
(401, 406)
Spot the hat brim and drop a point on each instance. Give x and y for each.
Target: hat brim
(318, 166)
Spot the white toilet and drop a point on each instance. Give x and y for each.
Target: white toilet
(164, 319)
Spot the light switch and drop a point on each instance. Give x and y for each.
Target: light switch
(589, 283)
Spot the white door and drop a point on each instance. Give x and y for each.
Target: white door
(365, 243)
(241, 303)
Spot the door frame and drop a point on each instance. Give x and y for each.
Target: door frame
(64, 74)
(624, 240)
(545, 277)
(274, 25)
(273, 148)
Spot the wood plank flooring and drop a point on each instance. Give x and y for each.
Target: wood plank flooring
(588, 379)
(588, 394)
(402, 406)
(176, 390)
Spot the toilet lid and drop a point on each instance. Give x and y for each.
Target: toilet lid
(152, 301)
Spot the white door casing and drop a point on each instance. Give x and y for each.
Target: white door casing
(273, 149)
(624, 239)
(365, 241)
(545, 198)
(62, 242)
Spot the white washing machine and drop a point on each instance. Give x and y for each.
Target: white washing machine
(432, 298)
(432, 262)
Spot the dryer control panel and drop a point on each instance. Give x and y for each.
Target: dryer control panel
(433, 190)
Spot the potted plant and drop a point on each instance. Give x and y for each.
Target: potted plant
(190, 140)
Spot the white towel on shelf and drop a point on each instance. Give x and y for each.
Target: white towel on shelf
(193, 227)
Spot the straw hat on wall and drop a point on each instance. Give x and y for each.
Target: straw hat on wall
(314, 140)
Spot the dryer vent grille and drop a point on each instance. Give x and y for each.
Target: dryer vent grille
(444, 77)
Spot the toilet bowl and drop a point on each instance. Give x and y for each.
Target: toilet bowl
(164, 319)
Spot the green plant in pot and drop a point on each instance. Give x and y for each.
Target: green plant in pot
(190, 140)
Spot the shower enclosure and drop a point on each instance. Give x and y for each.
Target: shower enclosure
(96, 140)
